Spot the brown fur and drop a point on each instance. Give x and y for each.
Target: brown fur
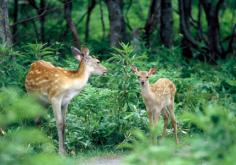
(45, 78)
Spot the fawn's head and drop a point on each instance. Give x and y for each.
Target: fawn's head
(91, 63)
(143, 75)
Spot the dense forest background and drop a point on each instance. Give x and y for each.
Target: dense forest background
(191, 42)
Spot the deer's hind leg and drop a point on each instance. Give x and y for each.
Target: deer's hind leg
(173, 121)
(56, 106)
(166, 119)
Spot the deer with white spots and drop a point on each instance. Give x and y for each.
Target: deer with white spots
(57, 86)
(158, 98)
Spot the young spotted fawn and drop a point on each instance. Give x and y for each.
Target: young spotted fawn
(158, 98)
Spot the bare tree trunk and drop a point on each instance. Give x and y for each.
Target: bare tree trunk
(153, 20)
(213, 36)
(15, 19)
(5, 34)
(212, 12)
(70, 23)
(91, 5)
(185, 13)
(117, 23)
(166, 30)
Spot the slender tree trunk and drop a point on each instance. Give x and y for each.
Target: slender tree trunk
(70, 23)
(166, 30)
(199, 23)
(213, 36)
(102, 19)
(153, 20)
(91, 5)
(5, 34)
(15, 19)
(117, 23)
(41, 10)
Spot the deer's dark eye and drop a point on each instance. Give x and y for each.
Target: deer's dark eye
(98, 62)
(147, 76)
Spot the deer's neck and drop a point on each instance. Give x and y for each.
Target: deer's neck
(146, 91)
(83, 72)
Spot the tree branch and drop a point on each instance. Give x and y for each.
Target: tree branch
(36, 17)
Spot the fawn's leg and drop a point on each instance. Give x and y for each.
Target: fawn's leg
(173, 121)
(166, 117)
(150, 116)
(156, 116)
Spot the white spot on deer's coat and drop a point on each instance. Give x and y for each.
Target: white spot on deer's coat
(37, 71)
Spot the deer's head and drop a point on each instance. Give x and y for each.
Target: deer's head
(143, 75)
(92, 64)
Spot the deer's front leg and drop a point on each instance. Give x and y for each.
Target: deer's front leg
(64, 109)
(150, 117)
(60, 123)
(156, 115)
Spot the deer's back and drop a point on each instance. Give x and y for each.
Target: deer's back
(163, 86)
(44, 78)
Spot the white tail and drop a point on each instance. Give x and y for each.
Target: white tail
(58, 86)
(158, 98)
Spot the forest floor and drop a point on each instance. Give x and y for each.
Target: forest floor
(103, 160)
(102, 157)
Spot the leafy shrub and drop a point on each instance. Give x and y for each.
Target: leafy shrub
(21, 145)
(14, 64)
(215, 145)
(11, 71)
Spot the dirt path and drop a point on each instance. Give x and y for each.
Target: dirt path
(109, 160)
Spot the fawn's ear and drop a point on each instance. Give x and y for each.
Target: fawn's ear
(78, 54)
(152, 71)
(135, 69)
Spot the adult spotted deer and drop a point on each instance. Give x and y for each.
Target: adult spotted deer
(57, 86)
(158, 98)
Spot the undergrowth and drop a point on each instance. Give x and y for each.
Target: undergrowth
(110, 107)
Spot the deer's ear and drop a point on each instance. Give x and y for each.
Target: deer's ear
(78, 54)
(152, 71)
(85, 51)
(135, 69)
